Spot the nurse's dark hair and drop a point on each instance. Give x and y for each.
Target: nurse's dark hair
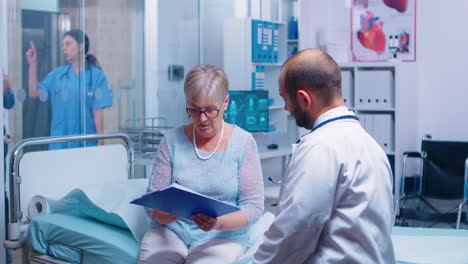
(82, 38)
(314, 70)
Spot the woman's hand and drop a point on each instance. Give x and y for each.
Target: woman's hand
(163, 218)
(31, 55)
(206, 222)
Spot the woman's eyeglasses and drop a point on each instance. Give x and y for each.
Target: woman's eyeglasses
(210, 113)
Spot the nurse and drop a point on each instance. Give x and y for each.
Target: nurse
(79, 91)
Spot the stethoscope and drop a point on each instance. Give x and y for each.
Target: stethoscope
(311, 131)
(65, 74)
(89, 93)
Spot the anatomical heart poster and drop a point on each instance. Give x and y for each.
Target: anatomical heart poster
(383, 30)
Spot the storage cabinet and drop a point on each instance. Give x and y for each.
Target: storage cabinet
(370, 91)
(395, 82)
(248, 69)
(254, 51)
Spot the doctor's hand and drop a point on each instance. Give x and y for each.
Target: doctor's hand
(206, 222)
(163, 218)
(31, 55)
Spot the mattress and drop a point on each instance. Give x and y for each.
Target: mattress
(430, 245)
(81, 240)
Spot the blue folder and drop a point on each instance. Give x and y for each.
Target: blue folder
(257, 37)
(275, 42)
(267, 40)
(258, 78)
(183, 202)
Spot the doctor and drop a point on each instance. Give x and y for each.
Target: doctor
(78, 91)
(335, 202)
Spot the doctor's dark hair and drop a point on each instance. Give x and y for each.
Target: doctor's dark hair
(318, 73)
(82, 38)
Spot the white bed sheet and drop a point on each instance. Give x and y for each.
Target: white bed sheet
(430, 245)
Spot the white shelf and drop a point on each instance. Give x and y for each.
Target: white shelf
(377, 64)
(274, 153)
(267, 64)
(276, 107)
(370, 91)
(267, 20)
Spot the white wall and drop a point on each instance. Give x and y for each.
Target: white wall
(3, 63)
(43, 5)
(213, 13)
(442, 72)
(174, 35)
(317, 16)
(442, 62)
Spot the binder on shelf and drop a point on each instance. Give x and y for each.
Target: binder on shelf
(265, 40)
(376, 87)
(347, 82)
(257, 40)
(380, 127)
(367, 89)
(183, 202)
(385, 90)
(383, 126)
(276, 43)
(270, 27)
(367, 123)
(258, 78)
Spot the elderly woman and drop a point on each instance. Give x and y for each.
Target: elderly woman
(214, 158)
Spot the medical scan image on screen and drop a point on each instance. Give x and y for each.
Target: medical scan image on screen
(248, 110)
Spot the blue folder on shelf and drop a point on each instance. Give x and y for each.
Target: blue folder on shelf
(257, 37)
(258, 78)
(275, 42)
(183, 202)
(267, 40)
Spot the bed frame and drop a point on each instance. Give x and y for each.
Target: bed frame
(16, 228)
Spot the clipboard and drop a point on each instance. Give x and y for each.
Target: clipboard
(183, 202)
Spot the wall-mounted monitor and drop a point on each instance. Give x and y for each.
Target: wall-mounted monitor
(248, 109)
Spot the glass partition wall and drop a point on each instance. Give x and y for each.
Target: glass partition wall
(60, 90)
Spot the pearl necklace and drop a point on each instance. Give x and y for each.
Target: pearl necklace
(216, 148)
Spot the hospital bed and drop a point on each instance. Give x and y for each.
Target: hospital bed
(101, 226)
(417, 245)
(56, 173)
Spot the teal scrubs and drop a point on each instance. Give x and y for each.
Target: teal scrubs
(73, 98)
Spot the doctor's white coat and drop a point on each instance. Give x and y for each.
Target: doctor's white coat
(336, 202)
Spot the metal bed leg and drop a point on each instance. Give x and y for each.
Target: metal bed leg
(397, 209)
(460, 209)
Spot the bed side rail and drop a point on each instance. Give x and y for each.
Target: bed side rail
(17, 153)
